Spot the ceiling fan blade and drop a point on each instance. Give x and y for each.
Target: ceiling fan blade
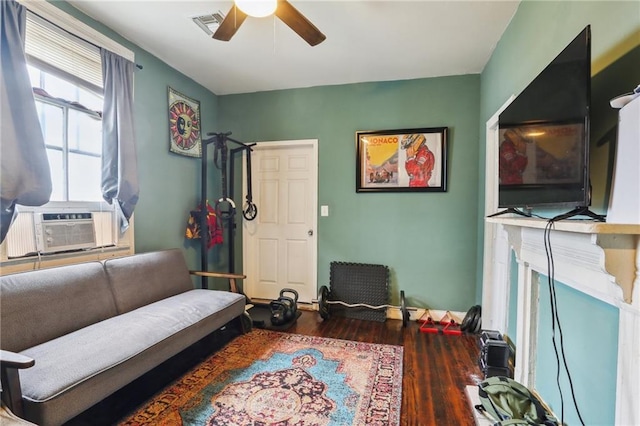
(230, 24)
(298, 23)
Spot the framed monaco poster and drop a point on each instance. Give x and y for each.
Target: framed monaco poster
(407, 160)
(184, 125)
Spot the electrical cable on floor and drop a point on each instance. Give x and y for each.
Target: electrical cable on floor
(555, 319)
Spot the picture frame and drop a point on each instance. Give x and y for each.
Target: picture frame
(405, 160)
(184, 124)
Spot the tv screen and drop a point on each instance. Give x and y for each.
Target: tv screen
(544, 135)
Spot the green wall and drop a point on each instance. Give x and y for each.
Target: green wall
(428, 240)
(169, 183)
(432, 242)
(589, 335)
(538, 31)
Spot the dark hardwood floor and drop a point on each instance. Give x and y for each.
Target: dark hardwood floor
(436, 370)
(436, 367)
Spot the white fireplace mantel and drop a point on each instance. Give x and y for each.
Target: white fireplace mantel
(596, 258)
(600, 247)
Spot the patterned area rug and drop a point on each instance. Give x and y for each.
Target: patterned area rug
(280, 379)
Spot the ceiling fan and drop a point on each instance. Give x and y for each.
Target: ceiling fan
(283, 10)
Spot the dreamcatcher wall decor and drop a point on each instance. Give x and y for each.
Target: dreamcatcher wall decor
(184, 125)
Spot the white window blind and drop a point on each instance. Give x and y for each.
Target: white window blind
(50, 45)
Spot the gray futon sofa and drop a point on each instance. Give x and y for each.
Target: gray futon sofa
(94, 327)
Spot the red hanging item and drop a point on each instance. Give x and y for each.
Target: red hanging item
(213, 226)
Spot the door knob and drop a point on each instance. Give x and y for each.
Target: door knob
(310, 232)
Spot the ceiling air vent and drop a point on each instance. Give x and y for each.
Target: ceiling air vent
(209, 23)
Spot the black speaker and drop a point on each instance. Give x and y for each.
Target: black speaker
(494, 354)
(487, 335)
(490, 371)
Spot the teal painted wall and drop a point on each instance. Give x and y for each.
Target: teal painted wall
(169, 183)
(537, 33)
(428, 240)
(590, 339)
(530, 42)
(616, 78)
(373, 228)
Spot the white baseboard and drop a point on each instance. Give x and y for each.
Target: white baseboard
(417, 313)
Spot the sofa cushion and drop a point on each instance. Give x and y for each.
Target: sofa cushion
(38, 306)
(75, 371)
(147, 277)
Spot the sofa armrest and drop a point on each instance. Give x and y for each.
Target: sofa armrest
(232, 277)
(10, 363)
(14, 360)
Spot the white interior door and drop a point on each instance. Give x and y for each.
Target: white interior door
(497, 252)
(280, 246)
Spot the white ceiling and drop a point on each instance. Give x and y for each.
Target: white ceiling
(369, 40)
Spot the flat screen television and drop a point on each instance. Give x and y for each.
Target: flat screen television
(544, 135)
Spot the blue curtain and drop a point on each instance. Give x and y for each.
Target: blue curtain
(119, 160)
(24, 168)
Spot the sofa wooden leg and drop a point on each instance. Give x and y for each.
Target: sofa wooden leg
(245, 323)
(11, 391)
(10, 362)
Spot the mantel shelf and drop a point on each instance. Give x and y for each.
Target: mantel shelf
(569, 225)
(586, 245)
(599, 259)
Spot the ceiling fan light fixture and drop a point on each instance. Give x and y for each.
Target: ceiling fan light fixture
(257, 8)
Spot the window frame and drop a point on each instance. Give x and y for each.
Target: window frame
(110, 241)
(48, 11)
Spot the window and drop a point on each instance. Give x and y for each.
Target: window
(66, 75)
(65, 70)
(72, 127)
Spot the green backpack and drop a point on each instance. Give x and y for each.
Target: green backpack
(508, 402)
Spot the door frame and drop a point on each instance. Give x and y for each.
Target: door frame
(265, 146)
(495, 288)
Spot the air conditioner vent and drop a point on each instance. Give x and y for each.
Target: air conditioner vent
(56, 232)
(209, 23)
(65, 216)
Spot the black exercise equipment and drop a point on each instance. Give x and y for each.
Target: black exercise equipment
(284, 309)
(404, 310)
(249, 210)
(278, 309)
(472, 322)
(323, 302)
(324, 305)
(225, 207)
(261, 317)
(495, 354)
(353, 282)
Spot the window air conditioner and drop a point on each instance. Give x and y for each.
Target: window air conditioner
(56, 232)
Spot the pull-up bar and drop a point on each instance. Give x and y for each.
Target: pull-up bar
(220, 140)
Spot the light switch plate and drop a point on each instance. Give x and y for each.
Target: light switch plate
(324, 210)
